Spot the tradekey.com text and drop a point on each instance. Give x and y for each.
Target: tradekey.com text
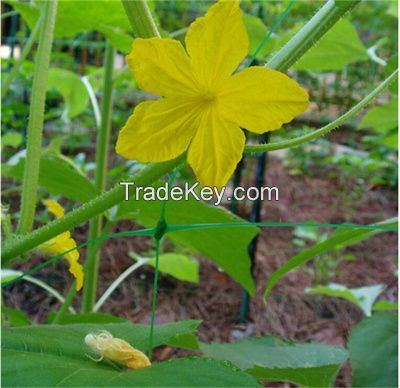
(207, 194)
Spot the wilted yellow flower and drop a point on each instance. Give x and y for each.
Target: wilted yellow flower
(204, 105)
(116, 349)
(63, 242)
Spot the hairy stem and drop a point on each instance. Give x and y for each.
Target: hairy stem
(36, 118)
(315, 28)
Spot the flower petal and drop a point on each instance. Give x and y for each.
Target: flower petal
(261, 99)
(61, 243)
(158, 130)
(75, 268)
(215, 150)
(54, 207)
(217, 42)
(161, 66)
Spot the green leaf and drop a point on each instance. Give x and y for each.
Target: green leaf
(381, 118)
(71, 87)
(11, 139)
(185, 341)
(341, 238)
(69, 319)
(13, 317)
(391, 140)
(270, 359)
(118, 38)
(339, 47)
(363, 297)
(55, 355)
(256, 31)
(43, 370)
(373, 346)
(227, 247)
(80, 16)
(179, 266)
(58, 177)
(385, 305)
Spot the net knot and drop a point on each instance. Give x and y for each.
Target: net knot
(160, 229)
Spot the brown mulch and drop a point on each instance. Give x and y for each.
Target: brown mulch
(289, 313)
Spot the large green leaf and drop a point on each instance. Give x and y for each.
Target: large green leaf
(268, 358)
(373, 346)
(55, 355)
(71, 87)
(341, 238)
(58, 177)
(227, 247)
(44, 370)
(363, 297)
(77, 16)
(339, 47)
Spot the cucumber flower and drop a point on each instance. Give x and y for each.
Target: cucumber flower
(116, 349)
(204, 105)
(63, 242)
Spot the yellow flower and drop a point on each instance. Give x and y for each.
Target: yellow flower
(63, 242)
(116, 349)
(204, 105)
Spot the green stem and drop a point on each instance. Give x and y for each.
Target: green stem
(72, 291)
(25, 51)
(67, 303)
(102, 148)
(154, 299)
(327, 128)
(36, 118)
(315, 28)
(140, 17)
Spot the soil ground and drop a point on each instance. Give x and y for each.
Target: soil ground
(290, 312)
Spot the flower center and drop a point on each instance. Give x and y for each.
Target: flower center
(208, 96)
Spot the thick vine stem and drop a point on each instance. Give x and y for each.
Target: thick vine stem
(327, 128)
(139, 15)
(102, 148)
(315, 28)
(36, 118)
(327, 16)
